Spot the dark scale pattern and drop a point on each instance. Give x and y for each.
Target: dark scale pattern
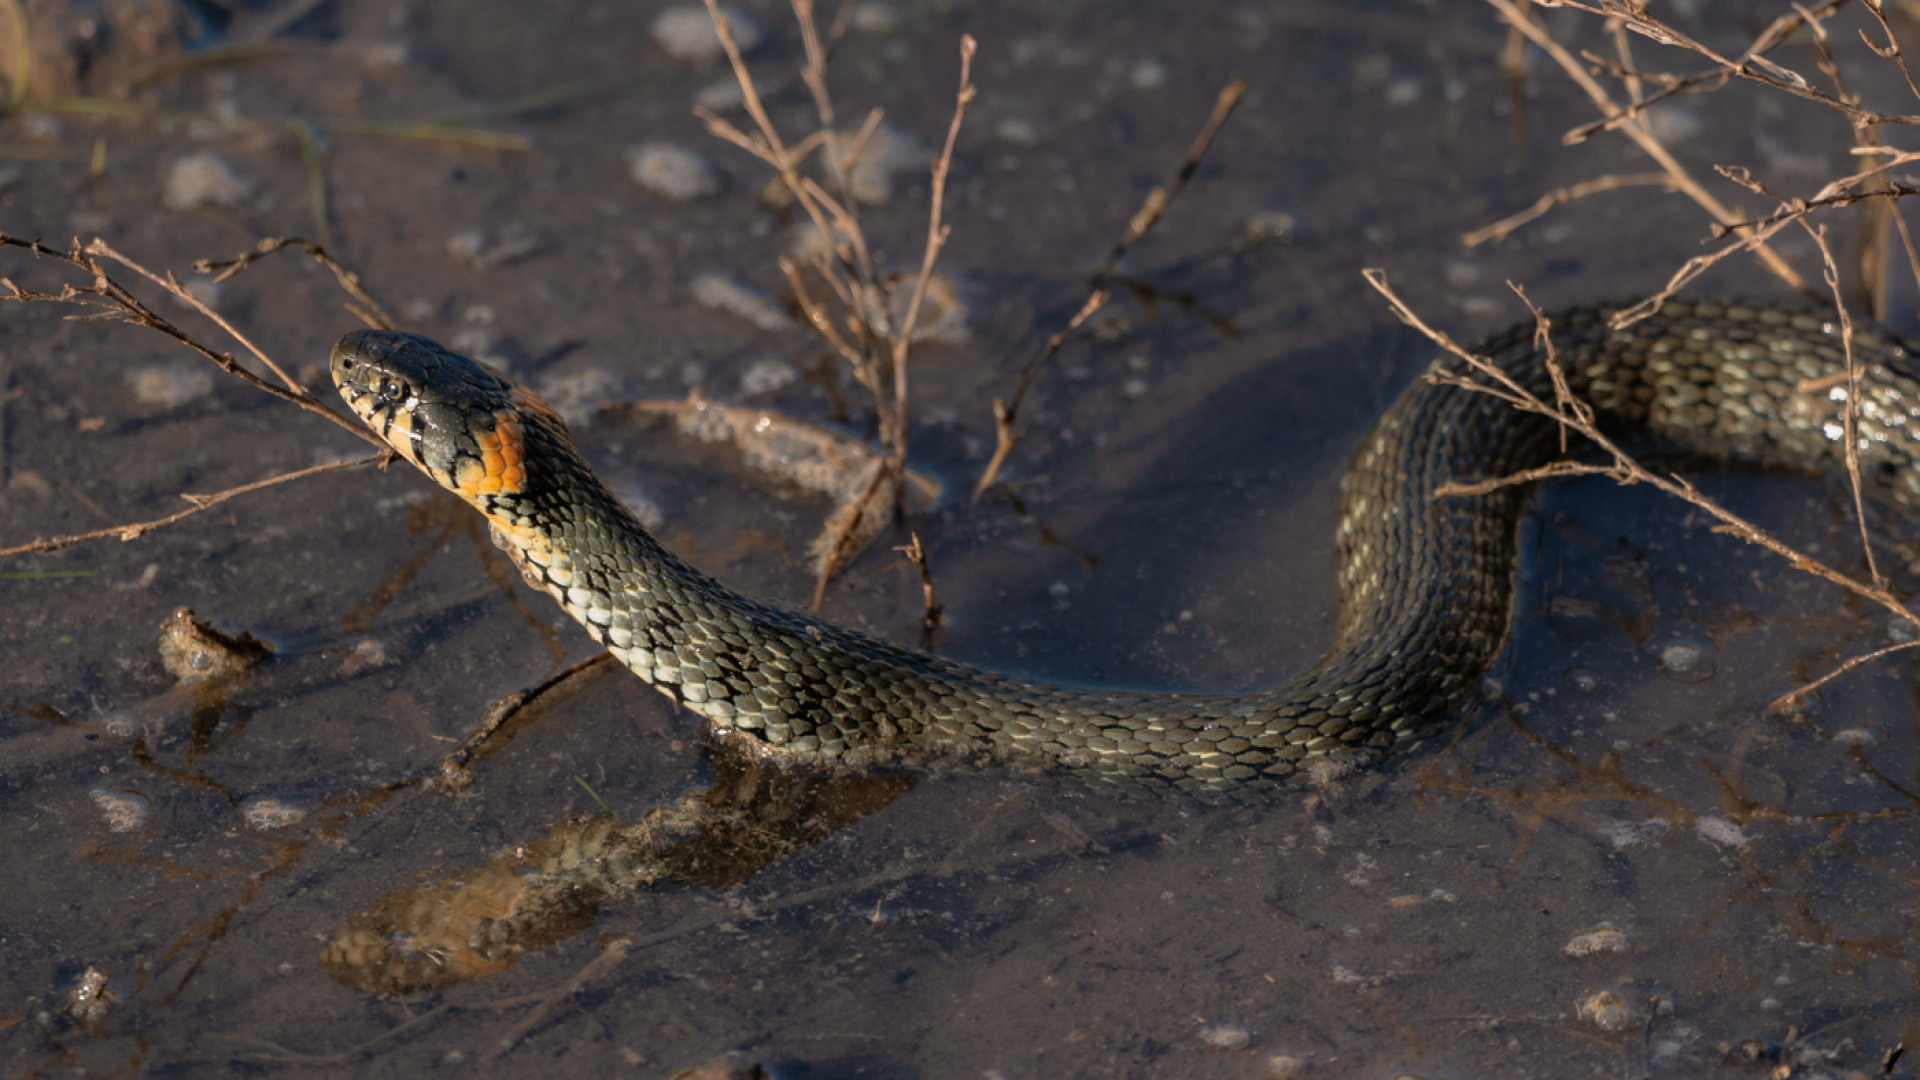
(1426, 582)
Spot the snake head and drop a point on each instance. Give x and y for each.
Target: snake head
(463, 425)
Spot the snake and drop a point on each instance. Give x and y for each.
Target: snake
(1426, 580)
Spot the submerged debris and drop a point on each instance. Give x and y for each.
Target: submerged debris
(1605, 1010)
(193, 651)
(269, 812)
(122, 810)
(204, 180)
(672, 170)
(754, 305)
(815, 459)
(687, 34)
(1601, 939)
(169, 386)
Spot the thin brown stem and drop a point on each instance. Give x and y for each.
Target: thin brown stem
(1506, 388)
(937, 233)
(136, 529)
(1006, 411)
(1635, 127)
(1154, 206)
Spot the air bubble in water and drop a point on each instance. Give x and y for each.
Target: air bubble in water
(1688, 658)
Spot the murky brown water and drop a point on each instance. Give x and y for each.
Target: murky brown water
(1743, 886)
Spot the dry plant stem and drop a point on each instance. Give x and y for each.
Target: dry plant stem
(609, 958)
(1851, 414)
(369, 310)
(1006, 412)
(1750, 65)
(1890, 51)
(1774, 35)
(113, 303)
(137, 529)
(180, 293)
(770, 147)
(1505, 227)
(1852, 664)
(1637, 130)
(1624, 468)
(1752, 234)
(936, 238)
(1155, 205)
(932, 617)
(1152, 209)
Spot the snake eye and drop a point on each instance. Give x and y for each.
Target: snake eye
(392, 389)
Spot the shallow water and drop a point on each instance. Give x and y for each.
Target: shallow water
(1450, 915)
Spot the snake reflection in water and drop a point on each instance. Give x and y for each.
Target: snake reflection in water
(1426, 582)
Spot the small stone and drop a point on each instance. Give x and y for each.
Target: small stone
(1017, 132)
(169, 386)
(1600, 939)
(687, 34)
(577, 394)
(768, 376)
(886, 153)
(1225, 1037)
(1287, 1066)
(1605, 1010)
(877, 19)
(1721, 832)
(725, 294)
(1148, 74)
(268, 812)
(1269, 227)
(202, 180)
(196, 653)
(121, 810)
(673, 171)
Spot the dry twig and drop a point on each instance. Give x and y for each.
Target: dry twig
(1634, 125)
(108, 301)
(931, 617)
(1483, 376)
(1152, 209)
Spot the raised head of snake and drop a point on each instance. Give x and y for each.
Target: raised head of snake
(463, 425)
(1426, 581)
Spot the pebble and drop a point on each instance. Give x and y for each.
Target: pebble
(1225, 1037)
(268, 812)
(202, 180)
(577, 394)
(686, 33)
(1016, 131)
(1605, 1010)
(1688, 658)
(767, 376)
(1600, 939)
(1148, 74)
(888, 152)
(1269, 227)
(754, 305)
(672, 170)
(1720, 831)
(167, 386)
(122, 811)
(877, 19)
(1287, 1066)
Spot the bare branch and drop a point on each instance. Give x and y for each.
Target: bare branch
(136, 529)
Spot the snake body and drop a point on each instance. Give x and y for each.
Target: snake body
(1426, 581)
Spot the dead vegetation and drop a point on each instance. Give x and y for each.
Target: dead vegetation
(1874, 189)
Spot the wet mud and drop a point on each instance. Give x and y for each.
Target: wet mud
(1621, 864)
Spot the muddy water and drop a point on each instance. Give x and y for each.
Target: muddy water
(1620, 867)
